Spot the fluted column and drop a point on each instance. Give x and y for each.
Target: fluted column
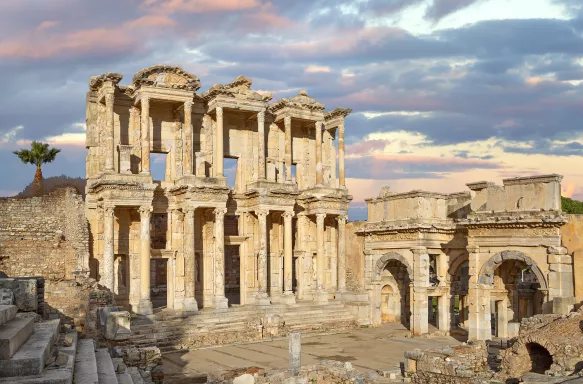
(108, 270)
(419, 303)
(288, 149)
(219, 145)
(288, 257)
(341, 253)
(145, 123)
(319, 175)
(188, 138)
(109, 133)
(261, 146)
(220, 299)
(190, 304)
(262, 298)
(341, 175)
(321, 294)
(145, 305)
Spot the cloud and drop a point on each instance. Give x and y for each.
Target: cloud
(441, 8)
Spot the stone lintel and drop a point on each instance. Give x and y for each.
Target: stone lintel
(409, 195)
(200, 181)
(479, 185)
(162, 94)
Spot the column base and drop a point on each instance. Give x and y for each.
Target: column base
(339, 296)
(262, 299)
(288, 298)
(178, 303)
(190, 305)
(321, 297)
(145, 307)
(221, 302)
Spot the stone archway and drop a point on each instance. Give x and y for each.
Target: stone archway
(487, 271)
(385, 259)
(393, 278)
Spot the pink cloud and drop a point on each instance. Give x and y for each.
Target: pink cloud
(264, 18)
(47, 24)
(366, 147)
(199, 6)
(151, 21)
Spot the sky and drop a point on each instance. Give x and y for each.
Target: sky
(443, 92)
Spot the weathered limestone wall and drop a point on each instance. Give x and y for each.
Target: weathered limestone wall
(354, 256)
(44, 236)
(572, 239)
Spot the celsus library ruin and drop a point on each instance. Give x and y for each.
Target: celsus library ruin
(105, 285)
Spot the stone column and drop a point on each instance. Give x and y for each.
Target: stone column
(261, 146)
(479, 323)
(190, 303)
(443, 313)
(319, 175)
(145, 305)
(295, 352)
(221, 301)
(108, 277)
(420, 316)
(170, 283)
(502, 318)
(262, 298)
(288, 149)
(560, 277)
(145, 123)
(188, 138)
(109, 133)
(288, 258)
(342, 178)
(321, 294)
(341, 255)
(219, 162)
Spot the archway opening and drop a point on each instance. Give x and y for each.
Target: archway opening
(540, 358)
(395, 297)
(459, 294)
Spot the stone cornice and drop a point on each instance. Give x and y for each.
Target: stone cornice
(301, 101)
(533, 179)
(120, 185)
(145, 77)
(338, 112)
(95, 82)
(240, 88)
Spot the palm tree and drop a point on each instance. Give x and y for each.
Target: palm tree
(38, 155)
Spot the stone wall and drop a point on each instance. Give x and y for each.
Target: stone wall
(354, 256)
(572, 239)
(44, 236)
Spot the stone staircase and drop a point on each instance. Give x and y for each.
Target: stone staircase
(170, 331)
(36, 353)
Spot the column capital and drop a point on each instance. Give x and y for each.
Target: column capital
(145, 102)
(320, 216)
(219, 111)
(261, 114)
(108, 209)
(188, 105)
(287, 120)
(145, 211)
(262, 213)
(319, 124)
(419, 250)
(342, 218)
(288, 215)
(220, 212)
(189, 210)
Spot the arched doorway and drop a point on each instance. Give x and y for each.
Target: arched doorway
(517, 292)
(460, 277)
(540, 358)
(395, 293)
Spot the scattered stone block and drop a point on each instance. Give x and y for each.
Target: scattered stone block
(117, 326)
(244, 379)
(6, 296)
(62, 358)
(295, 352)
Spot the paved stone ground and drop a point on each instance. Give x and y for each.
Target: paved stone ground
(368, 349)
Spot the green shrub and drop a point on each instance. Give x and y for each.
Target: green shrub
(572, 206)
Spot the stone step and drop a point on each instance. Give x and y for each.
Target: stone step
(13, 334)
(86, 363)
(124, 378)
(135, 374)
(7, 313)
(31, 357)
(105, 370)
(53, 374)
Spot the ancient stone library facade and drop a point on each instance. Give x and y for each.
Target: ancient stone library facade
(278, 241)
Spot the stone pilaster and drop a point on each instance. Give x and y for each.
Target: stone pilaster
(221, 301)
(479, 322)
(190, 304)
(178, 247)
(288, 258)
(261, 145)
(502, 318)
(145, 305)
(262, 298)
(321, 294)
(109, 133)
(219, 152)
(341, 175)
(420, 316)
(443, 313)
(319, 170)
(560, 277)
(341, 255)
(288, 149)
(108, 277)
(145, 126)
(188, 167)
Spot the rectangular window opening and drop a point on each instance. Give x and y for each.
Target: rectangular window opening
(230, 170)
(158, 166)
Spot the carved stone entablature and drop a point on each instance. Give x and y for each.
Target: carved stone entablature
(301, 100)
(260, 199)
(201, 196)
(387, 195)
(332, 205)
(514, 219)
(122, 193)
(166, 76)
(513, 231)
(240, 88)
(96, 82)
(412, 227)
(336, 117)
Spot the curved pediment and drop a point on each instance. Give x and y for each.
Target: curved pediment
(240, 88)
(166, 76)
